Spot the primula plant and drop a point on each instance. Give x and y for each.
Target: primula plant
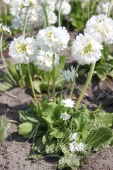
(58, 125)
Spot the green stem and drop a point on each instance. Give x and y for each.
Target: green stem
(45, 13)
(31, 83)
(59, 14)
(53, 71)
(20, 69)
(73, 83)
(90, 74)
(4, 60)
(25, 22)
(48, 87)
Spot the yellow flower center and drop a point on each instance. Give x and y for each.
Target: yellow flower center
(88, 48)
(21, 47)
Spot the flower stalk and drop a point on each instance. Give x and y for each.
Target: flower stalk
(45, 13)
(31, 83)
(53, 72)
(73, 83)
(59, 14)
(85, 86)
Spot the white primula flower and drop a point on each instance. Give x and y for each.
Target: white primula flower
(74, 146)
(68, 103)
(68, 75)
(65, 7)
(104, 8)
(44, 60)
(52, 18)
(73, 136)
(64, 116)
(100, 27)
(86, 50)
(53, 39)
(23, 50)
(4, 29)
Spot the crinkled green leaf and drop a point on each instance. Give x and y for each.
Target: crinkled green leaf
(104, 119)
(25, 128)
(4, 126)
(98, 137)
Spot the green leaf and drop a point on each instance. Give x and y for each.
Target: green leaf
(98, 137)
(28, 116)
(71, 160)
(104, 119)
(5, 86)
(102, 69)
(4, 126)
(37, 84)
(25, 128)
(12, 70)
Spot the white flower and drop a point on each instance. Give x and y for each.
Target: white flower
(74, 146)
(52, 18)
(65, 7)
(100, 27)
(4, 29)
(86, 50)
(64, 116)
(68, 75)
(68, 103)
(73, 136)
(19, 8)
(104, 8)
(22, 49)
(44, 60)
(53, 39)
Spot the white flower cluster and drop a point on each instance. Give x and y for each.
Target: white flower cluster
(53, 39)
(19, 9)
(100, 27)
(23, 50)
(65, 116)
(74, 145)
(104, 8)
(68, 103)
(44, 60)
(65, 7)
(50, 8)
(68, 75)
(86, 49)
(4, 29)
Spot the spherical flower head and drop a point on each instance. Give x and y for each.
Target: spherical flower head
(44, 60)
(22, 49)
(103, 8)
(86, 50)
(68, 103)
(65, 7)
(74, 146)
(4, 29)
(68, 75)
(64, 116)
(73, 136)
(53, 39)
(100, 27)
